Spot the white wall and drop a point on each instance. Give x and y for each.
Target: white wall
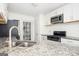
(40, 28)
(21, 17)
(36, 28)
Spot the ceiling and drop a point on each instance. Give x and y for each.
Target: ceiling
(33, 9)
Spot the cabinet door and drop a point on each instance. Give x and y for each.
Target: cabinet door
(76, 11)
(70, 42)
(68, 13)
(66, 41)
(60, 11)
(54, 13)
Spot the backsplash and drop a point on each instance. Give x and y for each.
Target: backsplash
(71, 28)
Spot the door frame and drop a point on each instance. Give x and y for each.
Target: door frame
(21, 29)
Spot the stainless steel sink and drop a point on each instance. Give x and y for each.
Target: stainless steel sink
(25, 43)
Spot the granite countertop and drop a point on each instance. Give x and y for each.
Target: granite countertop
(44, 48)
(71, 38)
(46, 34)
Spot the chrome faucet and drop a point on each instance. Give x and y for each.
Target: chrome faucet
(10, 41)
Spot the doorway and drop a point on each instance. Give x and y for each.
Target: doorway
(27, 30)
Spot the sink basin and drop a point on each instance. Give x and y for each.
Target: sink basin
(25, 43)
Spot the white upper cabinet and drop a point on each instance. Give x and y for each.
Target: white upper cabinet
(60, 11)
(68, 13)
(54, 13)
(76, 11)
(71, 12)
(3, 13)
